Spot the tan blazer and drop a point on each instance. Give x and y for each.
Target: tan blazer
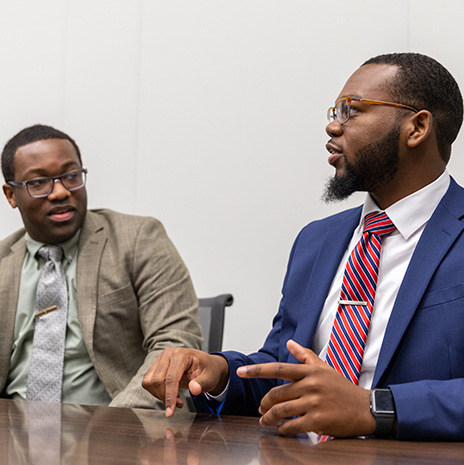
(135, 298)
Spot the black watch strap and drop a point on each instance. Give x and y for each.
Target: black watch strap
(383, 410)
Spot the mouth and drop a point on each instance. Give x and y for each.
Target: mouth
(334, 151)
(61, 214)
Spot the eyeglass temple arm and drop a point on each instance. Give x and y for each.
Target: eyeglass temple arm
(388, 104)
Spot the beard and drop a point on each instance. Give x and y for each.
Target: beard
(375, 164)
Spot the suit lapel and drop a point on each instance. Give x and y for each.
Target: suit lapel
(438, 237)
(91, 244)
(9, 291)
(332, 248)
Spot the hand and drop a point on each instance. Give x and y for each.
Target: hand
(185, 368)
(205, 443)
(322, 399)
(162, 450)
(278, 449)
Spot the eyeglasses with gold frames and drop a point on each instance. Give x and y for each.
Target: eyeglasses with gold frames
(342, 108)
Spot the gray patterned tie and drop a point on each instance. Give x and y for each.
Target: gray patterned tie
(46, 366)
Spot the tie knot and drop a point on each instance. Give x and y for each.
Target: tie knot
(378, 223)
(51, 252)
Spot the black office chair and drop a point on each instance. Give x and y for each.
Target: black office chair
(211, 314)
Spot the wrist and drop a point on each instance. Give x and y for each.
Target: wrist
(382, 407)
(222, 368)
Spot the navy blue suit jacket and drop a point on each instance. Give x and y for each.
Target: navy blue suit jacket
(422, 354)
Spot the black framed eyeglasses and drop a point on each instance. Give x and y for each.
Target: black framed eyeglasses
(342, 108)
(43, 186)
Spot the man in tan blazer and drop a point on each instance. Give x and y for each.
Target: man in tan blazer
(130, 294)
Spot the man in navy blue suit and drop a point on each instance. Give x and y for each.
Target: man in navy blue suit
(390, 131)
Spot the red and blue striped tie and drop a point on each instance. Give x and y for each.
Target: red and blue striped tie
(349, 333)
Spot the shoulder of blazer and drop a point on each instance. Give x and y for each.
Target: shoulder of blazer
(346, 221)
(94, 225)
(104, 217)
(116, 225)
(12, 243)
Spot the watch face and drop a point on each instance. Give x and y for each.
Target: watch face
(383, 403)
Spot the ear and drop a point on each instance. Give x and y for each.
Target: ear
(419, 128)
(9, 194)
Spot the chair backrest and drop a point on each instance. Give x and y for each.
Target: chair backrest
(211, 314)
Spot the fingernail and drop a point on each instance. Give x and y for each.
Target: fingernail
(241, 371)
(169, 412)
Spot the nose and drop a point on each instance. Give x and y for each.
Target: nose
(334, 128)
(59, 191)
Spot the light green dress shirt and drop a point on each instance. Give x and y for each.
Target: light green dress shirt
(81, 384)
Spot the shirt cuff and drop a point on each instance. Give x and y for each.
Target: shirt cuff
(220, 397)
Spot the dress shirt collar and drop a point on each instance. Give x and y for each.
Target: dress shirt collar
(422, 202)
(69, 247)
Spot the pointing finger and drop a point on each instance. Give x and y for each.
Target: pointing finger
(288, 371)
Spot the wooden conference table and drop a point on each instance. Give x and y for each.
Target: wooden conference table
(32, 432)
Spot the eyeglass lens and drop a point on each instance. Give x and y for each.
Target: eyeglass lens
(43, 186)
(343, 111)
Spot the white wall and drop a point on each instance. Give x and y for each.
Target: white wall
(209, 115)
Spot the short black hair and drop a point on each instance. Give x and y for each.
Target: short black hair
(27, 136)
(425, 84)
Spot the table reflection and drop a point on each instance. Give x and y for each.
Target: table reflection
(78, 434)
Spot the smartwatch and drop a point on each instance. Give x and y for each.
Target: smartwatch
(383, 410)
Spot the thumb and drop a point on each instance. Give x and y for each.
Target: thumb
(202, 383)
(195, 387)
(302, 354)
(213, 375)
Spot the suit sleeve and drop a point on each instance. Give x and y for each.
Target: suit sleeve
(167, 306)
(430, 410)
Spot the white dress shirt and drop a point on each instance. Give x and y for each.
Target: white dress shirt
(395, 255)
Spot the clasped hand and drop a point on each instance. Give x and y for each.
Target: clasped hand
(317, 398)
